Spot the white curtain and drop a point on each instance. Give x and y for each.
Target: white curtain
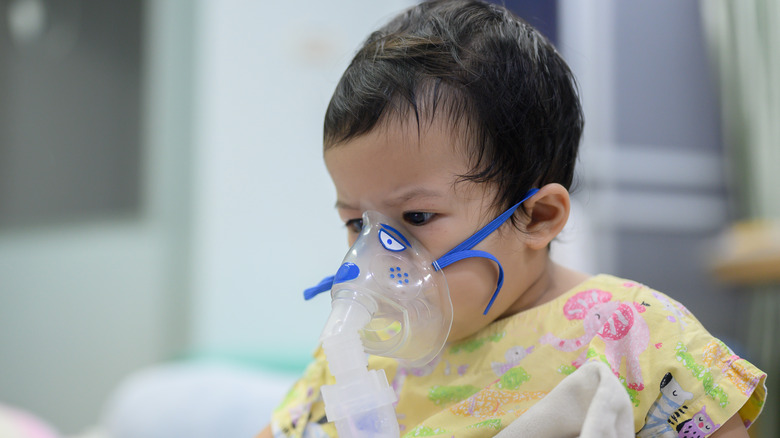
(744, 40)
(744, 37)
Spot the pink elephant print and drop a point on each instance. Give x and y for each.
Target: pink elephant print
(618, 324)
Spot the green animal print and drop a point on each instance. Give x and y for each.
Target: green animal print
(475, 344)
(633, 394)
(423, 431)
(443, 395)
(490, 424)
(703, 374)
(513, 378)
(567, 369)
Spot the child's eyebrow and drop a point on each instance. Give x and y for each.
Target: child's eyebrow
(406, 196)
(414, 193)
(341, 205)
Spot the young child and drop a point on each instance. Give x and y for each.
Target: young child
(447, 117)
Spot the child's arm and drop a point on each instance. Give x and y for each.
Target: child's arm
(266, 433)
(733, 428)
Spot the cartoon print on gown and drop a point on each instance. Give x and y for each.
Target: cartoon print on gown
(670, 403)
(513, 357)
(619, 325)
(700, 426)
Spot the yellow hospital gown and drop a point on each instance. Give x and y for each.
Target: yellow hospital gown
(671, 367)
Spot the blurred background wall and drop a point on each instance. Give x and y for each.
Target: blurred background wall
(95, 146)
(162, 194)
(161, 186)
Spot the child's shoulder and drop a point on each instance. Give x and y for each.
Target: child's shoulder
(614, 284)
(603, 291)
(605, 287)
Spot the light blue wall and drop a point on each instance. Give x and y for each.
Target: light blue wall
(264, 222)
(88, 297)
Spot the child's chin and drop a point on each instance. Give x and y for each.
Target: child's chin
(457, 335)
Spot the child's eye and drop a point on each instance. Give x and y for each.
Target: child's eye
(354, 225)
(418, 218)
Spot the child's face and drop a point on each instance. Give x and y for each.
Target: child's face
(414, 180)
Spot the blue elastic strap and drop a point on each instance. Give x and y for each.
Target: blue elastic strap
(464, 251)
(460, 252)
(325, 285)
(449, 259)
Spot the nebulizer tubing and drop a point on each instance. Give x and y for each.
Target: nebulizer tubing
(360, 403)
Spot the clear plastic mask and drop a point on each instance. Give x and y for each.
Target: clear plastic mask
(393, 276)
(390, 278)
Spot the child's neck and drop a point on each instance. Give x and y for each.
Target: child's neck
(553, 281)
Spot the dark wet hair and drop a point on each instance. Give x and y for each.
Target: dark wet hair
(491, 74)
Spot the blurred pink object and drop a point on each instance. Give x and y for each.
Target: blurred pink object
(15, 423)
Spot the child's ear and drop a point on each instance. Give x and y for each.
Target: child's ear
(547, 212)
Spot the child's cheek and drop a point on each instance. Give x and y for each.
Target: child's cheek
(471, 283)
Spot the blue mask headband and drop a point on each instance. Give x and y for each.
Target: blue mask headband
(462, 251)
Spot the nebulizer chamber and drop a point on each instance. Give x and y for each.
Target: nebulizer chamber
(387, 300)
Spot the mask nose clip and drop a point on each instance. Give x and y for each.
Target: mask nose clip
(347, 272)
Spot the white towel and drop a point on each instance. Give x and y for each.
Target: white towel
(589, 403)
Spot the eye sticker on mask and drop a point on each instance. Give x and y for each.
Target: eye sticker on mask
(391, 239)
